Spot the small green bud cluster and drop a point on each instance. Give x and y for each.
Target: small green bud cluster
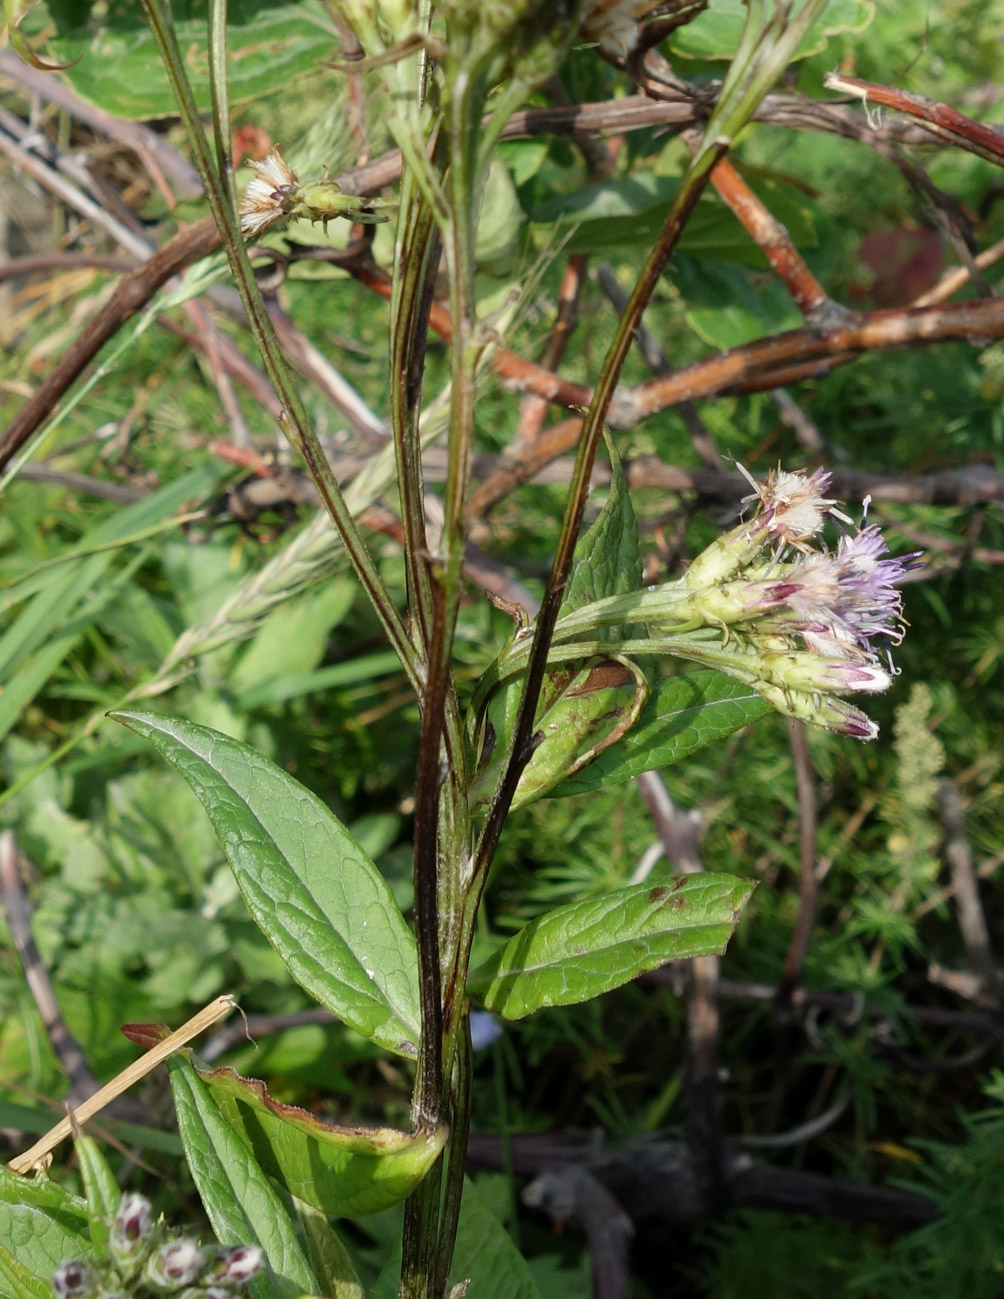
(144, 1258)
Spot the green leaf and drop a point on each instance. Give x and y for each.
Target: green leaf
(292, 639)
(328, 1255)
(681, 715)
(270, 45)
(607, 559)
(579, 951)
(239, 1199)
(629, 212)
(17, 1282)
(41, 1225)
(486, 1255)
(100, 1189)
(731, 305)
(314, 893)
(585, 708)
(366, 668)
(714, 34)
(344, 1172)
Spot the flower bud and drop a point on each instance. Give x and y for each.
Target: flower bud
(131, 1234)
(74, 1280)
(175, 1264)
(807, 671)
(827, 711)
(232, 1265)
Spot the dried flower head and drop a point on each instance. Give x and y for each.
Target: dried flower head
(792, 506)
(268, 198)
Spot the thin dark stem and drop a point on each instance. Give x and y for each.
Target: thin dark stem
(409, 331)
(456, 1160)
(592, 428)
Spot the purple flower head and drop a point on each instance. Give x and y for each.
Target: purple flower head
(175, 1264)
(74, 1280)
(846, 599)
(232, 1265)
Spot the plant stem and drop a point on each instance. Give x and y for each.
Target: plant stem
(297, 423)
(693, 183)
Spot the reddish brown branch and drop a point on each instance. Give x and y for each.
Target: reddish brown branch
(774, 242)
(944, 121)
(737, 370)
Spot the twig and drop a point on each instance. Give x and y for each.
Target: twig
(972, 923)
(939, 119)
(808, 896)
(657, 361)
(653, 1181)
(794, 417)
(131, 295)
(705, 1139)
(959, 276)
(817, 307)
(84, 484)
(212, 347)
(14, 137)
(743, 370)
(33, 262)
(571, 1194)
(808, 887)
(154, 150)
(102, 1098)
(68, 1050)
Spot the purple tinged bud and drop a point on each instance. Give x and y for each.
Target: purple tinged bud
(820, 710)
(74, 1280)
(802, 670)
(132, 1230)
(233, 1265)
(175, 1264)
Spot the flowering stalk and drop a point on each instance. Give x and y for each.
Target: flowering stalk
(797, 624)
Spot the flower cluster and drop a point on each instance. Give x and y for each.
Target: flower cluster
(144, 1259)
(768, 604)
(275, 195)
(801, 624)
